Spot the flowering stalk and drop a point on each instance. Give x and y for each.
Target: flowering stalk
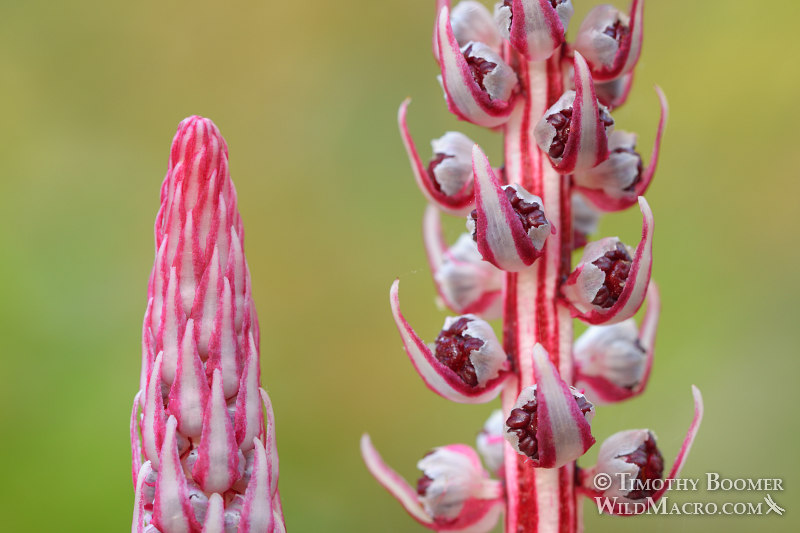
(203, 459)
(565, 165)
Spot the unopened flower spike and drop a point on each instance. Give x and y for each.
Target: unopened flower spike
(633, 457)
(466, 364)
(549, 422)
(611, 41)
(465, 282)
(535, 28)
(574, 131)
(508, 222)
(616, 183)
(199, 411)
(613, 363)
(610, 282)
(478, 84)
(454, 494)
(447, 180)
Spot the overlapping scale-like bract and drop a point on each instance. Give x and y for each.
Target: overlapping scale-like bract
(203, 458)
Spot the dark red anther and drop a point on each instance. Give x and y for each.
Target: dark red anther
(423, 484)
(438, 158)
(556, 3)
(617, 31)
(616, 264)
(651, 466)
(529, 213)
(479, 67)
(561, 122)
(524, 421)
(453, 348)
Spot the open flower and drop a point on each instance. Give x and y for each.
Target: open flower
(549, 422)
(611, 41)
(508, 222)
(610, 281)
(454, 493)
(466, 364)
(630, 467)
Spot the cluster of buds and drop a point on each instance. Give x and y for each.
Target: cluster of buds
(566, 164)
(203, 458)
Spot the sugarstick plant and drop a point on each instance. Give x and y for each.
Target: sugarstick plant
(203, 458)
(565, 163)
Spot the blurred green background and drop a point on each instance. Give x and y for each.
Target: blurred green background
(306, 95)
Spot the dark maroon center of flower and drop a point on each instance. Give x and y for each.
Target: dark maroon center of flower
(435, 162)
(639, 166)
(561, 122)
(453, 348)
(651, 466)
(524, 421)
(556, 3)
(529, 213)
(616, 265)
(423, 484)
(478, 66)
(617, 31)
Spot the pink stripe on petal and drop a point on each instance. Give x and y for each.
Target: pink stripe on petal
(270, 442)
(217, 463)
(224, 346)
(139, 477)
(172, 511)
(249, 421)
(172, 324)
(609, 204)
(215, 515)
(438, 377)
(189, 392)
(457, 204)
(204, 311)
(153, 417)
(257, 515)
(536, 30)
(465, 98)
(136, 438)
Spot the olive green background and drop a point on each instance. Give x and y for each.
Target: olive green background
(306, 95)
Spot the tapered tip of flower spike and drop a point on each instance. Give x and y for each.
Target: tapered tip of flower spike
(447, 180)
(608, 285)
(574, 131)
(508, 222)
(616, 183)
(635, 454)
(478, 84)
(454, 494)
(467, 364)
(549, 422)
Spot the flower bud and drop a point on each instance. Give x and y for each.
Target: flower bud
(490, 442)
(509, 223)
(632, 461)
(614, 93)
(549, 422)
(574, 131)
(467, 282)
(478, 84)
(466, 364)
(535, 28)
(610, 281)
(585, 219)
(471, 21)
(611, 41)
